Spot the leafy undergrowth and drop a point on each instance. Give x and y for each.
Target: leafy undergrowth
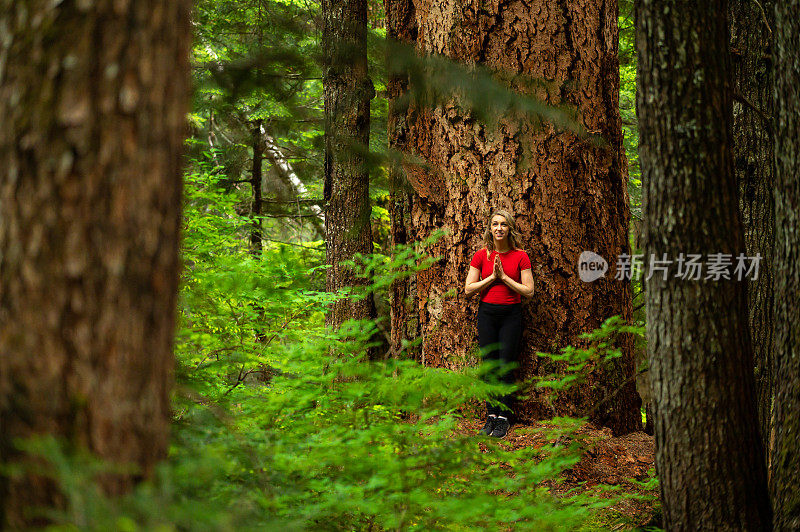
(283, 424)
(620, 469)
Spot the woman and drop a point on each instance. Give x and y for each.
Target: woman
(502, 274)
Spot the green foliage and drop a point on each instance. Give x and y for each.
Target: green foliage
(282, 424)
(577, 363)
(257, 75)
(627, 105)
(329, 444)
(235, 304)
(325, 439)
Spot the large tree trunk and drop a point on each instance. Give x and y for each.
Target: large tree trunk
(753, 147)
(400, 29)
(348, 91)
(709, 454)
(785, 462)
(93, 102)
(567, 194)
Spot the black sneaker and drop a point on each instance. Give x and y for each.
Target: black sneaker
(501, 426)
(489, 426)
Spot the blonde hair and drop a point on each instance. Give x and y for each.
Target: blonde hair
(513, 236)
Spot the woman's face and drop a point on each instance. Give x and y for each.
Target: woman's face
(499, 227)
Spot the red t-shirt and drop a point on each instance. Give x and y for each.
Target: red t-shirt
(514, 261)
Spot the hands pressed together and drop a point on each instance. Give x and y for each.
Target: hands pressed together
(474, 284)
(498, 272)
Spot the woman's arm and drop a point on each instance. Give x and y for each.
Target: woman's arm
(474, 284)
(523, 288)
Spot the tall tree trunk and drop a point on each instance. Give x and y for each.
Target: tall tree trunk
(256, 230)
(785, 462)
(256, 180)
(753, 149)
(348, 91)
(93, 102)
(568, 194)
(709, 454)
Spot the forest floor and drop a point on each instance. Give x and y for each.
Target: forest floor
(606, 461)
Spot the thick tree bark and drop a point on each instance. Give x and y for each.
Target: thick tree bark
(567, 193)
(400, 29)
(709, 454)
(403, 302)
(753, 148)
(93, 102)
(347, 91)
(785, 461)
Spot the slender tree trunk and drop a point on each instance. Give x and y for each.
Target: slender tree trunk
(785, 461)
(709, 454)
(256, 231)
(348, 91)
(753, 150)
(256, 180)
(93, 102)
(568, 194)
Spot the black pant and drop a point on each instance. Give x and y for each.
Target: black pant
(500, 328)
